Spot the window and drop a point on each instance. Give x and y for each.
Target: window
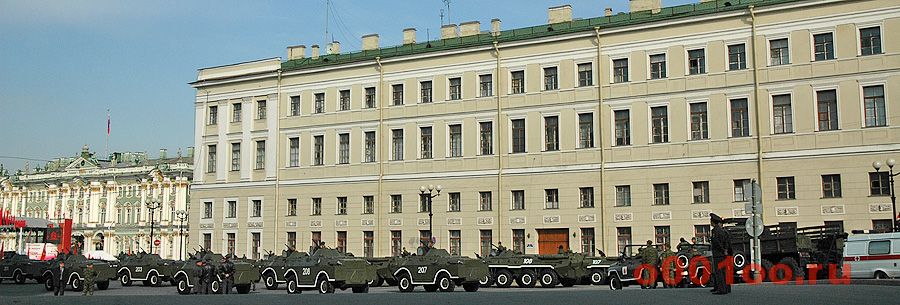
(207, 240)
(345, 99)
(397, 94)
(210, 159)
(786, 188)
(623, 195)
(870, 41)
(295, 106)
(255, 243)
(455, 88)
(426, 136)
(316, 237)
(873, 98)
(292, 240)
(620, 70)
(586, 196)
(881, 226)
(827, 110)
(213, 115)
(623, 127)
(426, 91)
(454, 204)
(661, 194)
(697, 61)
(424, 203)
(551, 79)
(260, 154)
(518, 200)
(344, 148)
(879, 247)
(342, 205)
(230, 244)
(369, 243)
(740, 118)
(396, 243)
(835, 223)
(370, 146)
(487, 138)
(663, 235)
(487, 242)
(517, 82)
(823, 46)
(585, 130)
(702, 233)
(316, 206)
(485, 201)
(552, 201)
(831, 186)
(235, 156)
(292, 207)
(587, 241)
(261, 110)
(781, 112)
(701, 192)
(486, 85)
(370, 97)
(623, 238)
(879, 184)
(657, 66)
(518, 136)
(659, 121)
(318, 150)
(341, 241)
(207, 210)
(518, 238)
(551, 133)
(368, 204)
(257, 208)
(737, 57)
(699, 122)
(742, 190)
(456, 140)
(585, 75)
(455, 242)
(320, 102)
(397, 144)
(236, 112)
(294, 152)
(396, 204)
(778, 52)
(232, 209)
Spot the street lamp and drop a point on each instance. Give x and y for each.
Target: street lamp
(429, 192)
(895, 227)
(181, 214)
(153, 204)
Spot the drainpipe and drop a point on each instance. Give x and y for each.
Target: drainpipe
(500, 152)
(757, 258)
(277, 176)
(600, 141)
(379, 102)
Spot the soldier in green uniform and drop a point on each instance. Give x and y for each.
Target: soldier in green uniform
(669, 266)
(89, 275)
(650, 257)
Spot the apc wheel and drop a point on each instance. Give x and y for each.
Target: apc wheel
(615, 283)
(19, 277)
(325, 287)
(103, 285)
(243, 288)
(405, 283)
(526, 279)
(445, 284)
(505, 279)
(182, 286)
(152, 281)
(471, 287)
(215, 287)
(377, 282)
(48, 283)
(549, 278)
(795, 267)
(270, 282)
(77, 285)
(292, 286)
(486, 281)
(598, 277)
(125, 279)
(360, 289)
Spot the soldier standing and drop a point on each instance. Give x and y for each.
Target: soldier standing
(59, 284)
(89, 275)
(227, 269)
(209, 272)
(721, 248)
(198, 278)
(650, 257)
(668, 259)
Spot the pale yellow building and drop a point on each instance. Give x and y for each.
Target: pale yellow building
(586, 133)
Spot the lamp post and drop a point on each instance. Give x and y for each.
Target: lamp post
(181, 214)
(890, 163)
(429, 192)
(153, 204)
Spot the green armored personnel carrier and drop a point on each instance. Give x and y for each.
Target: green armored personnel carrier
(549, 270)
(19, 268)
(383, 270)
(327, 269)
(246, 273)
(437, 270)
(149, 268)
(75, 265)
(272, 267)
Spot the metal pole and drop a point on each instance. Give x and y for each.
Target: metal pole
(151, 228)
(894, 227)
(180, 238)
(431, 221)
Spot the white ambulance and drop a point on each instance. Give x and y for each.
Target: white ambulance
(873, 255)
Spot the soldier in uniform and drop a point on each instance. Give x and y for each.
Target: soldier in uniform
(650, 257)
(209, 275)
(227, 269)
(500, 248)
(404, 253)
(89, 275)
(669, 266)
(59, 283)
(683, 244)
(721, 248)
(198, 278)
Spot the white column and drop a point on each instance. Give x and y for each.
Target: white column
(248, 146)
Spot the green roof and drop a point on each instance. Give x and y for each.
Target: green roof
(574, 26)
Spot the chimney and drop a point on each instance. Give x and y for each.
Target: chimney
(449, 31)
(495, 26)
(607, 12)
(370, 42)
(409, 36)
(296, 52)
(190, 152)
(469, 28)
(559, 14)
(645, 5)
(334, 47)
(315, 51)
(162, 153)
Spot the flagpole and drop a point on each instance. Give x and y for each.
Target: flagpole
(107, 133)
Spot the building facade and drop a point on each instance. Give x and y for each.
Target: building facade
(108, 200)
(586, 133)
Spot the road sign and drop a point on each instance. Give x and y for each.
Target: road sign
(156, 242)
(754, 226)
(755, 202)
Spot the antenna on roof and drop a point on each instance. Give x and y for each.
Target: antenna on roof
(447, 4)
(327, 11)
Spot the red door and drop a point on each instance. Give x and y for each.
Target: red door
(549, 240)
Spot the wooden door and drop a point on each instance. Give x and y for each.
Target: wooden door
(549, 240)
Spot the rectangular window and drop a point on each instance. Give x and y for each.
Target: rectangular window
(368, 204)
(397, 94)
(455, 242)
(210, 159)
(742, 190)
(207, 210)
(345, 100)
(585, 75)
(699, 122)
(620, 70)
(370, 97)
(517, 82)
(659, 121)
(456, 144)
(260, 155)
(586, 196)
(455, 88)
(426, 136)
(426, 91)
(657, 66)
(256, 208)
(207, 240)
(396, 204)
(341, 241)
(623, 195)
(485, 201)
(823, 46)
(236, 112)
(344, 148)
(292, 207)
(831, 186)
(369, 243)
(292, 240)
(294, 152)
(551, 79)
(879, 184)
(255, 242)
(623, 127)
(320, 102)
(454, 203)
(786, 188)
(518, 238)
(230, 243)
(663, 235)
(870, 41)
(697, 61)
(702, 234)
(487, 138)
(585, 130)
(316, 237)
(232, 209)
(342, 205)
(661, 194)
(701, 192)
(552, 201)
(827, 110)
(397, 144)
(370, 146)
(316, 206)
(213, 115)
(518, 135)
(740, 118)
(424, 204)
(295, 106)
(623, 238)
(487, 242)
(396, 243)
(486, 85)
(518, 200)
(551, 133)
(318, 150)
(587, 241)
(782, 114)
(235, 156)
(260, 110)
(881, 226)
(873, 98)
(778, 52)
(737, 57)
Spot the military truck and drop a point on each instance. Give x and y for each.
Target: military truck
(437, 270)
(700, 276)
(19, 268)
(149, 268)
(75, 266)
(327, 269)
(246, 273)
(549, 270)
(622, 272)
(272, 267)
(383, 271)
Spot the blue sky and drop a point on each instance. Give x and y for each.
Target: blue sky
(63, 63)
